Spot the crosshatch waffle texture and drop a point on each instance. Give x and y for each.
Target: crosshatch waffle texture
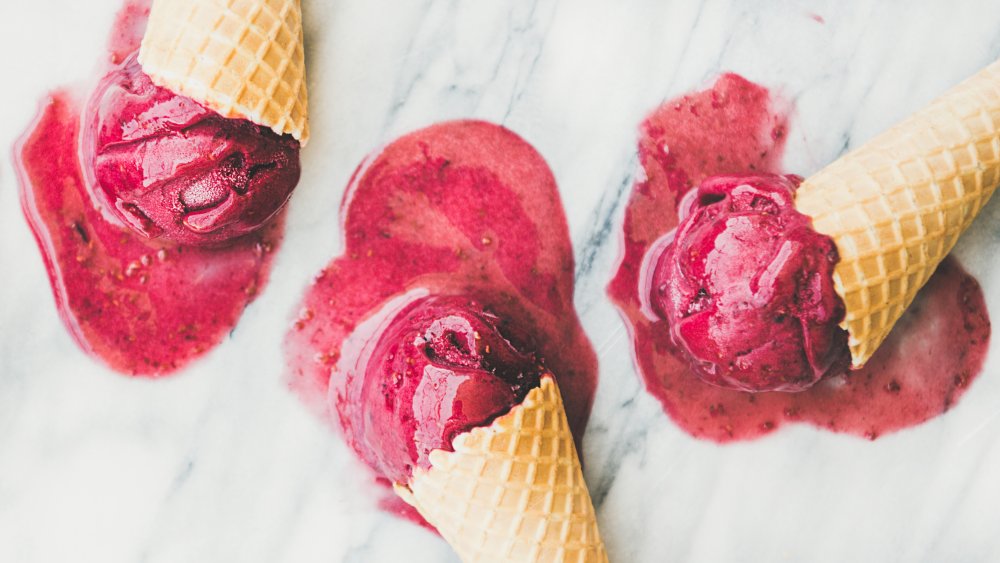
(512, 491)
(241, 58)
(896, 206)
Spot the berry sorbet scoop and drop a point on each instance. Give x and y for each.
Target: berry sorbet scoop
(471, 430)
(196, 139)
(770, 287)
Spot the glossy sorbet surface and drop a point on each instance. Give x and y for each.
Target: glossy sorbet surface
(171, 169)
(439, 368)
(142, 306)
(746, 286)
(737, 127)
(467, 215)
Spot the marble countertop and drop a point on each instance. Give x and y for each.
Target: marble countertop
(221, 463)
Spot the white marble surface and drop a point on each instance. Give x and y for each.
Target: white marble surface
(220, 463)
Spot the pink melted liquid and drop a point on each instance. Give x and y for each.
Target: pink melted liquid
(463, 207)
(142, 307)
(921, 371)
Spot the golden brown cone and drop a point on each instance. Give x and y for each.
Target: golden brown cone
(241, 58)
(512, 491)
(896, 206)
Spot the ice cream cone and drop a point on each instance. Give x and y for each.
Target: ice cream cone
(241, 58)
(512, 491)
(896, 206)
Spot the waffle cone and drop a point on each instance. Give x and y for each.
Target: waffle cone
(512, 491)
(896, 206)
(241, 58)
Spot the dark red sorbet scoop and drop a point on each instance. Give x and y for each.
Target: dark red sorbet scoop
(746, 286)
(725, 289)
(440, 367)
(457, 275)
(148, 306)
(172, 169)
